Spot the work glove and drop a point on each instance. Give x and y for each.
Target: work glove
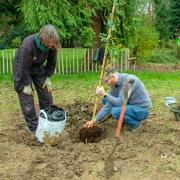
(100, 91)
(27, 90)
(91, 123)
(48, 85)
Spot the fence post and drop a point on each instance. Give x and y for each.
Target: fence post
(62, 60)
(69, 60)
(85, 64)
(77, 63)
(117, 62)
(11, 61)
(121, 62)
(92, 59)
(82, 66)
(3, 61)
(73, 60)
(66, 62)
(14, 53)
(126, 59)
(88, 58)
(59, 62)
(7, 62)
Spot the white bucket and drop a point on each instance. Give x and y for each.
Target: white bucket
(46, 126)
(169, 100)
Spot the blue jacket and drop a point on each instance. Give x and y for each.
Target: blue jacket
(139, 95)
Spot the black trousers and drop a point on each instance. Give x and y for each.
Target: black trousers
(27, 102)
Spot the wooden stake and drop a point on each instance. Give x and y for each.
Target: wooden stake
(104, 59)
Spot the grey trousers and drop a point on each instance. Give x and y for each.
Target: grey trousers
(27, 102)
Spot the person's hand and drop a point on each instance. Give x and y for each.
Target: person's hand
(48, 85)
(27, 90)
(100, 91)
(90, 124)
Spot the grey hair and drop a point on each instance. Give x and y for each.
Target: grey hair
(110, 70)
(48, 33)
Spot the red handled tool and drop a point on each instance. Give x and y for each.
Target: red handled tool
(123, 108)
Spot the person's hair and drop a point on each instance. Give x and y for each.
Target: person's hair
(110, 70)
(48, 33)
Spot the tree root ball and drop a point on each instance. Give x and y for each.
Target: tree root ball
(90, 135)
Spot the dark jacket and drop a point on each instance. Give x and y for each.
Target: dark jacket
(29, 60)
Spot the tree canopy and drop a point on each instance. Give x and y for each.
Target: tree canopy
(139, 24)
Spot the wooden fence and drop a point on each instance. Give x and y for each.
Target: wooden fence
(69, 61)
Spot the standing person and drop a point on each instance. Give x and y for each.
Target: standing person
(138, 104)
(34, 63)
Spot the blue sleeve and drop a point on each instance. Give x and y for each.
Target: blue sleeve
(116, 101)
(106, 109)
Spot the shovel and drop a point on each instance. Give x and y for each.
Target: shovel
(109, 163)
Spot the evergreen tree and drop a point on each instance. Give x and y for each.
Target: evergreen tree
(162, 10)
(174, 18)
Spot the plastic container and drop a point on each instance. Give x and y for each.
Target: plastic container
(176, 113)
(169, 100)
(51, 121)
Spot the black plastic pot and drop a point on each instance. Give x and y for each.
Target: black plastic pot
(55, 113)
(176, 113)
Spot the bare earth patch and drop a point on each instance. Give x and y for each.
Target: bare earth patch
(151, 152)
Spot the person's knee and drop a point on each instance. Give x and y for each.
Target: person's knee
(143, 115)
(28, 110)
(18, 87)
(138, 113)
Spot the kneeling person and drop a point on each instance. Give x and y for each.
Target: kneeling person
(138, 104)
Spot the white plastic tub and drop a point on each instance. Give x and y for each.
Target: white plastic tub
(47, 125)
(169, 100)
